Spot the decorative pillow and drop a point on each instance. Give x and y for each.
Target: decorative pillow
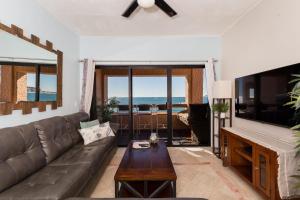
(89, 124)
(92, 134)
(109, 131)
(95, 133)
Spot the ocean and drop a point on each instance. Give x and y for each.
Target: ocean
(43, 97)
(154, 100)
(122, 100)
(150, 100)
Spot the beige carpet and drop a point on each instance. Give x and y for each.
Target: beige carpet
(199, 174)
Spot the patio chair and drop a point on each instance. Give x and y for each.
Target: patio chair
(161, 120)
(123, 115)
(144, 117)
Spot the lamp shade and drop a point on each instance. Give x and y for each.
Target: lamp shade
(222, 90)
(146, 3)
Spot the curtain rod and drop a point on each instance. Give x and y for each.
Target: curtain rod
(150, 62)
(20, 58)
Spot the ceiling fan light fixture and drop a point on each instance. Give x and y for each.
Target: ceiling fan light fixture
(146, 3)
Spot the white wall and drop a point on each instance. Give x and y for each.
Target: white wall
(166, 48)
(12, 46)
(145, 49)
(266, 38)
(34, 20)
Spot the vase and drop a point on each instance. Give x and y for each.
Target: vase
(153, 138)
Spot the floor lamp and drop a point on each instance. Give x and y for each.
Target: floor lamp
(222, 94)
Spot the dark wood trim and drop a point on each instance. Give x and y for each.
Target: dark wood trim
(59, 97)
(41, 106)
(93, 110)
(6, 108)
(169, 105)
(168, 69)
(37, 82)
(26, 107)
(54, 105)
(130, 94)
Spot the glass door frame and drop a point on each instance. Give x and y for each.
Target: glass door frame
(168, 69)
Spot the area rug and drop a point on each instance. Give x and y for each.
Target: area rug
(199, 174)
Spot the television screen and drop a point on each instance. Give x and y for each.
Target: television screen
(262, 97)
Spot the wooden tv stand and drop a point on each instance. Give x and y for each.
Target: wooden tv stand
(255, 163)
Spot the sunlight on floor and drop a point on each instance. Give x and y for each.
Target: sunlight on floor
(192, 150)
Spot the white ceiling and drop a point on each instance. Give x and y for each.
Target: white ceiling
(103, 17)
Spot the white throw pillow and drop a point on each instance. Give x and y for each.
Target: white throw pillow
(93, 134)
(109, 131)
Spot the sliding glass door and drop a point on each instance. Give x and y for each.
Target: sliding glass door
(113, 102)
(149, 89)
(166, 100)
(190, 111)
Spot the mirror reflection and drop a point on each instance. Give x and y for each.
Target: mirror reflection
(48, 84)
(28, 73)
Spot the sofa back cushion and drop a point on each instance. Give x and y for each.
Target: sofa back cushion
(54, 136)
(73, 124)
(21, 154)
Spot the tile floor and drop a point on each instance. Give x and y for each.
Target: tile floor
(199, 173)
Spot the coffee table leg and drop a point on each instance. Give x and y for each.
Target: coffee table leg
(117, 189)
(173, 184)
(146, 189)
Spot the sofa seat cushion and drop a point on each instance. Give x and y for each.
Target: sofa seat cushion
(51, 183)
(54, 137)
(21, 154)
(79, 154)
(73, 123)
(91, 154)
(107, 143)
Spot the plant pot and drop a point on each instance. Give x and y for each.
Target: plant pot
(222, 115)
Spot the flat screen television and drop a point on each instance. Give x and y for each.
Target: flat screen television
(262, 96)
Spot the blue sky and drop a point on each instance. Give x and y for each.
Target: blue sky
(47, 82)
(145, 87)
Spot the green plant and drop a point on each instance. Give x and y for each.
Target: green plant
(295, 103)
(106, 110)
(220, 107)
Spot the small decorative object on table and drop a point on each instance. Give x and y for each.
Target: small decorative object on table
(153, 138)
(140, 145)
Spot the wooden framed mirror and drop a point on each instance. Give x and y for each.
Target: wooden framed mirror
(30, 72)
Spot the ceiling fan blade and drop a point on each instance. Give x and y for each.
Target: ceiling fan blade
(165, 7)
(130, 9)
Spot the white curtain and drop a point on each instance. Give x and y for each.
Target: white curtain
(210, 79)
(87, 85)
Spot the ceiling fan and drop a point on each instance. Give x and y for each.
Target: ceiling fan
(148, 4)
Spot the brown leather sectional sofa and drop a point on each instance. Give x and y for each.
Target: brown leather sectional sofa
(47, 160)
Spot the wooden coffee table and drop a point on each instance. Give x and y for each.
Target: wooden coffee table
(146, 173)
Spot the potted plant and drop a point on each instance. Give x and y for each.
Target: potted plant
(105, 111)
(295, 103)
(221, 109)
